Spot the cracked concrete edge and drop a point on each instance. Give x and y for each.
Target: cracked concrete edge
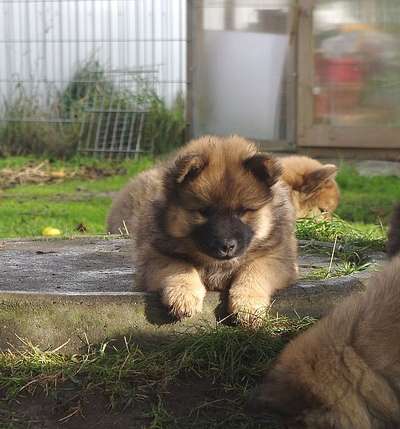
(48, 320)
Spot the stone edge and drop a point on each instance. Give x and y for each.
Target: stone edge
(48, 320)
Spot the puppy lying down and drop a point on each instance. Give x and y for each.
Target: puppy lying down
(314, 191)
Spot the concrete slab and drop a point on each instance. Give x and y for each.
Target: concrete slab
(67, 266)
(81, 291)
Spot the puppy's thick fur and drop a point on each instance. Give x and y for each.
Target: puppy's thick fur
(215, 216)
(344, 372)
(314, 190)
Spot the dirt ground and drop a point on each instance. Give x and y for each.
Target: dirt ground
(192, 403)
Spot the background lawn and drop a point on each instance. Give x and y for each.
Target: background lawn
(367, 200)
(25, 209)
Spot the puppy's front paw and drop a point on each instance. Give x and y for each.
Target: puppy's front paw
(249, 310)
(183, 301)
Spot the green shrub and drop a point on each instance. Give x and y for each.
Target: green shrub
(29, 128)
(166, 126)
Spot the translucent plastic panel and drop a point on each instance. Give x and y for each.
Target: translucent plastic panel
(239, 68)
(357, 62)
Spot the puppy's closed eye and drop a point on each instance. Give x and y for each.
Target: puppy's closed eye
(205, 211)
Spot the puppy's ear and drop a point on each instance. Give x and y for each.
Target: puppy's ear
(188, 167)
(264, 167)
(314, 180)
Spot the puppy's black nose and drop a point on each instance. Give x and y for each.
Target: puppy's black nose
(227, 247)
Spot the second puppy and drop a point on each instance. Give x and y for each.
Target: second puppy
(314, 190)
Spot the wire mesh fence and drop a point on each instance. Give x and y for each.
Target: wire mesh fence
(117, 115)
(92, 75)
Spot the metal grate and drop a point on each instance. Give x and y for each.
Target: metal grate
(116, 116)
(120, 134)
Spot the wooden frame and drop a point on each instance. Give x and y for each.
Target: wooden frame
(310, 134)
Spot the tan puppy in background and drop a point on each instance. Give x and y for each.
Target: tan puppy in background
(313, 187)
(344, 372)
(215, 216)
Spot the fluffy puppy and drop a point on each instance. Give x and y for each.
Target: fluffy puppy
(344, 372)
(314, 190)
(213, 217)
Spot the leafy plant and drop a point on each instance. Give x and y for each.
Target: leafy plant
(166, 126)
(98, 100)
(29, 129)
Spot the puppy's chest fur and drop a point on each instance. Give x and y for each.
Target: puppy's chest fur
(218, 277)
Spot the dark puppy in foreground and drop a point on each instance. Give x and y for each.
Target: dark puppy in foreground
(344, 372)
(215, 216)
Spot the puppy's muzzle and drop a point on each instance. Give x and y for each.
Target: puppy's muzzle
(225, 248)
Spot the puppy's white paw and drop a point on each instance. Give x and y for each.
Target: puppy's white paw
(249, 310)
(183, 301)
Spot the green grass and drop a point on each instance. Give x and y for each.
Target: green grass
(366, 199)
(27, 218)
(359, 226)
(222, 363)
(16, 161)
(350, 243)
(26, 209)
(337, 270)
(347, 233)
